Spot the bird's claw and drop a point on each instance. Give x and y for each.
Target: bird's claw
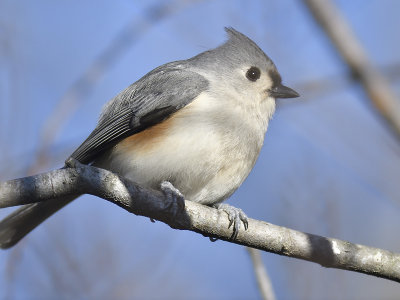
(235, 216)
(72, 163)
(174, 198)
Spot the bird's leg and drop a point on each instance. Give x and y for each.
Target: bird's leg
(235, 216)
(174, 198)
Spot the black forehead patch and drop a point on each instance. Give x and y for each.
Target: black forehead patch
(275, 76)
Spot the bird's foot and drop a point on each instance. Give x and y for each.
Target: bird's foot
(235, 216)
(174, 198)
(72, 163)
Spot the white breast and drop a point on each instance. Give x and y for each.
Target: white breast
(205, 150)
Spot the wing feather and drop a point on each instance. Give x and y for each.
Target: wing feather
(143, 104)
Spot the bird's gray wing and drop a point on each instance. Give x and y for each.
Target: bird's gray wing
(143, 104)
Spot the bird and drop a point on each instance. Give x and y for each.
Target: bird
(191, 128)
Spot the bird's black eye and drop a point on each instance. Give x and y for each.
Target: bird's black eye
(253, 73)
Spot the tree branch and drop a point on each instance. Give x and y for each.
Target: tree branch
(83, 179)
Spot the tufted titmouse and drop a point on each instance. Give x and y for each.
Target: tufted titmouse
(192, 127)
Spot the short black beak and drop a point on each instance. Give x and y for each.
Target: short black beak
(281, 91)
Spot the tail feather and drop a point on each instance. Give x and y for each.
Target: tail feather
(19, 223)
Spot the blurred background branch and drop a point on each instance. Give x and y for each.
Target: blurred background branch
(375, 84)
(323, 86)
(260, 272)
(85, 84)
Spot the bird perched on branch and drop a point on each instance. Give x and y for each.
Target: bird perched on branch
(191, 128)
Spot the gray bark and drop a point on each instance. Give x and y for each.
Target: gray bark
(83, 179)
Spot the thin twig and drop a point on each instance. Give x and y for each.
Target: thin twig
(263, 281)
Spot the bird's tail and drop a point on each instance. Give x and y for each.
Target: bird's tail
(19, 223)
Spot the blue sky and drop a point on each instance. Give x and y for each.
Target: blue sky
(329, 165)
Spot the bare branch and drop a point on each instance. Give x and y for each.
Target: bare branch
(328, 252)
(375, 84)
(263, 281)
